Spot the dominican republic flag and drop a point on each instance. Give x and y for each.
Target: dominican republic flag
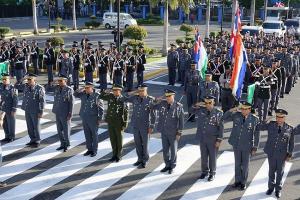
(237, 26)
(200, 55)
(279, 4)
(239, 68)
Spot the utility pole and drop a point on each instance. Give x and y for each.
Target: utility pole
(118, 25)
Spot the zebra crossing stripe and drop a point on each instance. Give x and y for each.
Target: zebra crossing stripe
(58, 173)
(18, 166)
(18, 144)
(259, 184)
(205, 190)
(160, 83)
(155, 183)
(21, 126)
(90, 188)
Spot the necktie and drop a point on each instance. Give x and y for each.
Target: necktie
(279, 129)
(169, 106)
(244, 119)
(88, 95)
(141, 100)
(60, 89)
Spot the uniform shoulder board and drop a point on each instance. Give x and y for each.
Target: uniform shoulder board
(255, 117)
(15, 91)
(151, 98)
(219, 109)
(179, 104)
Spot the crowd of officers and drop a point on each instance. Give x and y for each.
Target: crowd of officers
(108, 65)
(273, 65)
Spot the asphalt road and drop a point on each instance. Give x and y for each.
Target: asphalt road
(44, 173)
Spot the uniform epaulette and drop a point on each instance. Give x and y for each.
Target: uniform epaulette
(219, 109)
(151, 97)
(179, 104)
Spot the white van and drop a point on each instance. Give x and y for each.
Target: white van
(110, 20)
(277, 27)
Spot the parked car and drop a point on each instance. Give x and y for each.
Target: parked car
(295, 23)
(276, 26)
(252, 30)
(110, 20)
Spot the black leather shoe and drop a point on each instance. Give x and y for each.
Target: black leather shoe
(137, 163)
(269, 191)
(65, 149)
(87, 153)
(29, 143)
(35, 145)
(93, 154)
(142, 166)
(112, 159)
(236, 185)
(2, 184)
(118, 159)
(5, 140)
(281, 96)
(211, 177)
(60, 148)
(10, 140)
(243, 187)
(277, 194)
(202, 176)
(170, 171)
(164, 169)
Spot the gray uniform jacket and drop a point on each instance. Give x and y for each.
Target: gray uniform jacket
(34, 99)
(63, 101)
(9, 98)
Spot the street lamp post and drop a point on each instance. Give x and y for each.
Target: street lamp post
(49, 15)
(223, 3)
(118, 26)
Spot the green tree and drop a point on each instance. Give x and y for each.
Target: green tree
(135, 32)
(34, 18)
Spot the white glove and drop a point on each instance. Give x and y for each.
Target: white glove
(99, 65)
(86, 64)
(45, 56)
(58, 60)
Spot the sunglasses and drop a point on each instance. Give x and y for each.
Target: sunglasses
(210, 102)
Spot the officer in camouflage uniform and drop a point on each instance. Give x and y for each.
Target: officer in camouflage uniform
(63, 110)
(244, 139)
(91, 113)
(279, 148)
(210, 133)
(117, 119)
(8, 105)
(33, 104)
(143, 121)
(170, 125)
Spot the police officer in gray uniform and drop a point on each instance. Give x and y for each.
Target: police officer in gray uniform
(63, 110)
(170, 125)
(8, 104)
(66, 68)
(91, 113)
(33, 104)
(191, 88)
(209, 88)
(244, 139)
(210, 133)
(172, 62)
(286, 64)
(279, 148)
(143, 120)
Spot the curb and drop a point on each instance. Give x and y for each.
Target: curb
(154, 73)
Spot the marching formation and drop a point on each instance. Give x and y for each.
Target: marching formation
(273, 68)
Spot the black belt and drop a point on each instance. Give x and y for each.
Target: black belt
(226, 89)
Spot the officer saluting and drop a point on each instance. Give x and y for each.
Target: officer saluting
(33, 105)
(244, 139)
(170, 125)
(279, 148)
(91, 113)
(210, 133)
(63, 110)
(143, 120)
(117, 119)
(8, 104)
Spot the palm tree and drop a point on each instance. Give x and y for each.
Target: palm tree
(252, 16)
(265, 9)
(34, 18)
(173, 4)
(111, 2)
(234, 7)
(74, 15)
(207, 18)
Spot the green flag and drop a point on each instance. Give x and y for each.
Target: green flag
(250, 93)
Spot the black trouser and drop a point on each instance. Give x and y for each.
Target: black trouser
(172, 75)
